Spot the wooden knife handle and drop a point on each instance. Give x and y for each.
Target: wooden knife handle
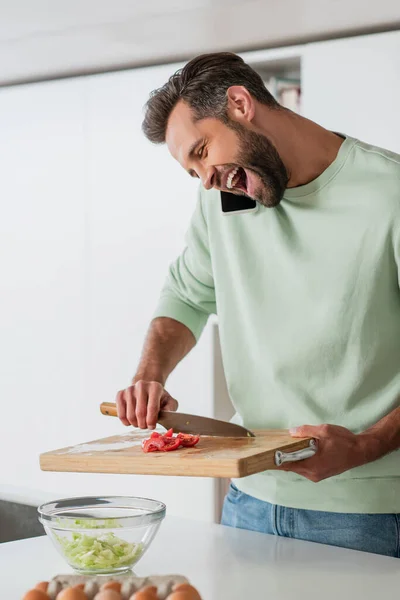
(109, 409)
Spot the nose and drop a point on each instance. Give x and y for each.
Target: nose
(208, 178)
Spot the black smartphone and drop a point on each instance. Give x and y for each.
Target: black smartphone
(231, 203)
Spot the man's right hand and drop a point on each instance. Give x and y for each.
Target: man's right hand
(139, 404)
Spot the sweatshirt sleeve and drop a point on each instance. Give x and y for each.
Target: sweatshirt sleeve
(188, 295)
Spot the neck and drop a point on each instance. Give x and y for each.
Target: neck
(305, 147)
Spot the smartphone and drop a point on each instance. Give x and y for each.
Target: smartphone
(233, 204)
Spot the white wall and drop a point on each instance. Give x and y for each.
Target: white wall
(42, 236)
(91, 216)
(353, 86)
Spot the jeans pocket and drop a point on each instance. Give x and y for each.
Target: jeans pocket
(233, 491)
(230, 510)
(246, 512)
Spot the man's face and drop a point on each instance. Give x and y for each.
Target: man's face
(231, 158)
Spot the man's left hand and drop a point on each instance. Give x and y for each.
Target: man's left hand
(338, 450)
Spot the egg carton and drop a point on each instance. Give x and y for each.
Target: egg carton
(130, 584)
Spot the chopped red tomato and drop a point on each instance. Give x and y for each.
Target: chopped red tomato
(188, 440)
(171, 444)
(166, 442)
(153, 444)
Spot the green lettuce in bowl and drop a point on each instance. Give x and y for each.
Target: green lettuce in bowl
(103, 552)
(106, 535)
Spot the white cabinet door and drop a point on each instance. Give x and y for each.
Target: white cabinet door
(353, 86)
(140, 204)
(42, 228)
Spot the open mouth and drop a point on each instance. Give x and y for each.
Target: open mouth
(237, 180)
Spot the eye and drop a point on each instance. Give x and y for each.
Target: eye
(202, 152)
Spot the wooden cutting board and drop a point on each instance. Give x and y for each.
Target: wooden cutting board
(212, 457)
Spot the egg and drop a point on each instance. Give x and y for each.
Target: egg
(35, 595)
(43, 585)
(79, 586)
(108, 595)
(142, 595)
(112, 585)
(189, 590)
(72, 593)
(184, 595)
(150, 589)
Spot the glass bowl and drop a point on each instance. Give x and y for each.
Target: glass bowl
(102, 535)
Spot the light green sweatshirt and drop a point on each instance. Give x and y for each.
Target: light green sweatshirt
(308, 302)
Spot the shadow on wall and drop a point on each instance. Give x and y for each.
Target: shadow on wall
(18, 521)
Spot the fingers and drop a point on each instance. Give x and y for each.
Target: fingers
(139, 405)
(141, 392)
(121, 408)
(148, 399)
(130, 402)
(169, 403)
(307, 431)
(153, 405)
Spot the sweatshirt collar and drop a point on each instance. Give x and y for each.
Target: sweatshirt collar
(330, 172)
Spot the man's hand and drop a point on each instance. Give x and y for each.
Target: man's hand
(338, 450)
(140, 404)
(167, 343)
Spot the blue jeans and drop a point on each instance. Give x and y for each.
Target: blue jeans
(377, 533)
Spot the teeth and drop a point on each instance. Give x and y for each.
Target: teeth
(235, 180)
(229, 181)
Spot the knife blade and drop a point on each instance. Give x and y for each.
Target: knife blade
(185, 423)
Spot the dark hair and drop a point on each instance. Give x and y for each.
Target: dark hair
(202, 83)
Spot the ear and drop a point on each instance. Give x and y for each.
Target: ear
(241, 104)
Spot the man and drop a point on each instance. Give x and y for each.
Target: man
(305, 282)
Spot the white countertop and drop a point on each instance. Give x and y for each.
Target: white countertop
(24, 495)
(226, 564)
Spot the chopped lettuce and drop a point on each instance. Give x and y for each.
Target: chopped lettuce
(106, 551)
(89, 523)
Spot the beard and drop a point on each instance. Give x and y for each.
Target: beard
(258, 155)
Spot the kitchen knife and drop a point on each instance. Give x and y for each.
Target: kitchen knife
(184, 423)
